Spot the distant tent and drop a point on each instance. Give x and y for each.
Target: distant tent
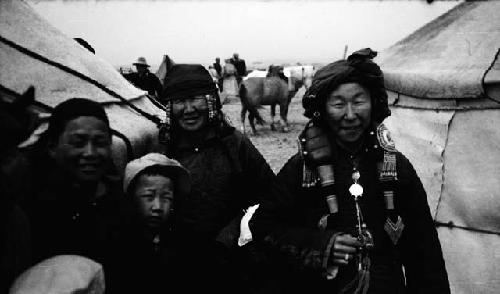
(32, 52)
(165, 66)
(444, 89)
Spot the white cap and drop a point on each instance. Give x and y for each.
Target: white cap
(172, 166)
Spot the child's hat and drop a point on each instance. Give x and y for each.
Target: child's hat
(172, 166)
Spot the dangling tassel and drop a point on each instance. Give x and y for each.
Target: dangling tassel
(388, 170)
(394, 229)
(309, 176)
(164, 133)
(212, 110)
(394, 225)
(360, 283)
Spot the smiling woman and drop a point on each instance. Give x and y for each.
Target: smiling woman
(191, 113)
(83, 148)
(73, 200)
(348, 112)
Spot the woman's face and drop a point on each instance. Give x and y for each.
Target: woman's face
(191, 113)
(348, 112)
(83, 149)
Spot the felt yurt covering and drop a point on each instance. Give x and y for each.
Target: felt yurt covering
(444, 91)
(34, 53)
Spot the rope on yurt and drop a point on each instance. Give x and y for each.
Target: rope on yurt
(47, 108)
(451, 225)
(128, 144)
(156, 103)
(487, 71)
(156, 120)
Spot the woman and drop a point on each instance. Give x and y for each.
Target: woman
(73, 203)
(357, 219)
(228, 175)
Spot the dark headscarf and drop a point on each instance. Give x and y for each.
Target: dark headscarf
(71, 109)
(187, 80)
(358, 68)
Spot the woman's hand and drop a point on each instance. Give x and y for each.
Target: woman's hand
(344, 248)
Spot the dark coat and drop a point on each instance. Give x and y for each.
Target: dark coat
(240, 65)
(148, 82)
(136, 264)
(14, 244)
(290, 226)
(218, 68)
(67, 220)
(228, 175)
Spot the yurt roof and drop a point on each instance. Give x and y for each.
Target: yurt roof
(33, 52)
(454, 56)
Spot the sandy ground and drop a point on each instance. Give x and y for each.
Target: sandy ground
(276, 147)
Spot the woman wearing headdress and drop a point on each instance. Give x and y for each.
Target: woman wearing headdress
(228, 175)
(357, 219)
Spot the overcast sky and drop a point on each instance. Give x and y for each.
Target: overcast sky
(198, 31)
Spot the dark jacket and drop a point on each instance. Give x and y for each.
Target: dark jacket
(135, 263)
(148, 82)
(228, 175)
(290, 226)
(67, 220)
(218, 68)
(14, 244)
(240, 65)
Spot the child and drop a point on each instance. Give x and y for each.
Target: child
(154, 184)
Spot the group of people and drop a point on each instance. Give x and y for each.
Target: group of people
(346, 214)
(231, 73)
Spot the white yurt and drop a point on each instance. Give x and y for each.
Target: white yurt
(34, 53)
(444, 92)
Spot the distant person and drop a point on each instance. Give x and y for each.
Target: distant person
(218, 67)
(230, 80)
(214, 74)
(144, 79)
(241, 68)
(154, 186)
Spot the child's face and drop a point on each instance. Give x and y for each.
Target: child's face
(154, 196)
